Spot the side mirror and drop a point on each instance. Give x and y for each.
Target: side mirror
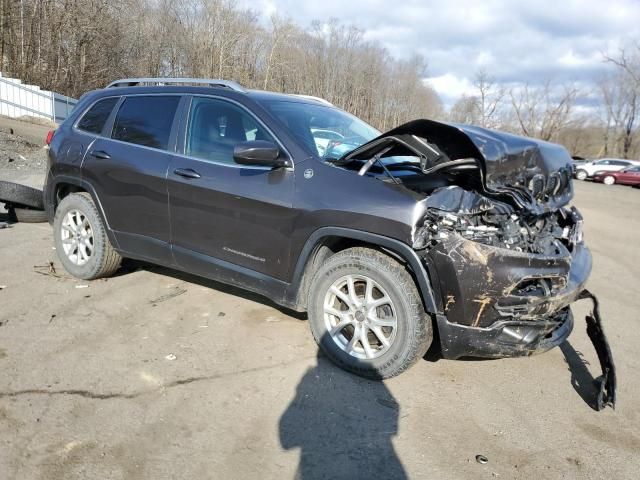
(261, 153)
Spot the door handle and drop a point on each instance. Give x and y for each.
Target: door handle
(102, 155)
(186, 173)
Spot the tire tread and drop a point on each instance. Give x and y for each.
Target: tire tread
(111, 259)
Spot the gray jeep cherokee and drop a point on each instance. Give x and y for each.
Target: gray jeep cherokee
(384, 239)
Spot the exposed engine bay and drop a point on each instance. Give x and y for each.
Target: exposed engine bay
(475, 217)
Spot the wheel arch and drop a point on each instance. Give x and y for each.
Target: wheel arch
(327, 241)
(62, 186)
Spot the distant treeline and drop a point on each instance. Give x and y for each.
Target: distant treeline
(72, 46)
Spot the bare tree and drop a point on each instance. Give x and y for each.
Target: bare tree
(72, 46)
(466, 110)
(621, 95)
(489, 98)
(543, 111)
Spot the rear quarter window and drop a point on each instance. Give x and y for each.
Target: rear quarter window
(146, 120)
(93, 121)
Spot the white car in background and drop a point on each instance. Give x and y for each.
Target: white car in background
(588, 169)
(322, 137)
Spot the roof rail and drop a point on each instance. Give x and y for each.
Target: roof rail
(311, 97)
(131, 82)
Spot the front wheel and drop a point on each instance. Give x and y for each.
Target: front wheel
(581, 174)
(609, 180)
(366, 314)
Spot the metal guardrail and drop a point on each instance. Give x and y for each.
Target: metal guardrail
(62, 107)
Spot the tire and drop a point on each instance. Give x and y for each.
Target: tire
(609, 180)
(581, 174)
(16, 194)
(407, 341)
(91, 254)
(29, 215)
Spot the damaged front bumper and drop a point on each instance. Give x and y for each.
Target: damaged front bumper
(505, 304)
(505, 338)
(499, 303)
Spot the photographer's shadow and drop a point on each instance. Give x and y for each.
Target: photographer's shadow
(343, 425)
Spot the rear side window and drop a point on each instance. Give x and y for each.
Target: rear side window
(146, 120)
(93, 121)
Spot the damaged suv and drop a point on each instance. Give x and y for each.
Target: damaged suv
(384, 239)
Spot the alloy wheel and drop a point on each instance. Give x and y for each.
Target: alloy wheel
(77, 237)
(360, 317)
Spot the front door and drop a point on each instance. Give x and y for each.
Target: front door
(225, 215)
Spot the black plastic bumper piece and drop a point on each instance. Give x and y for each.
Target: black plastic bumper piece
(508, 338)
(606, 383)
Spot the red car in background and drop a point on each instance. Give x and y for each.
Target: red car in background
(627, 176)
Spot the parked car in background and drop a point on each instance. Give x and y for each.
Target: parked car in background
(337, 148)
(588, 169)
(627, 176)
(577, 161)
(322, 137)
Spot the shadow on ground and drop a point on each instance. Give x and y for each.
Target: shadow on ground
(129, 266)
(581, 379)
(343, 426)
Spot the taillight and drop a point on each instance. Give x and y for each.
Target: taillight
(49, 137)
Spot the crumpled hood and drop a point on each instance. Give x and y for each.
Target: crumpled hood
(534, 173)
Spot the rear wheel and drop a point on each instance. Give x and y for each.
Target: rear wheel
(81, 239)
(581, 174)
(609, 180)
(366, 314)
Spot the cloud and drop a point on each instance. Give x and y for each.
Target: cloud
(513, 41)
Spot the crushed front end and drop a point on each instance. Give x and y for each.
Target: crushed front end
(504, 252)
(505, 280)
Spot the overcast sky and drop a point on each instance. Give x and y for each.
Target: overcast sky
(515, 41)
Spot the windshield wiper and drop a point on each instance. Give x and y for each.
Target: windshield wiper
(376, 158)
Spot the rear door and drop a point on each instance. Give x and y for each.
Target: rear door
(128, 171)
(220, 210)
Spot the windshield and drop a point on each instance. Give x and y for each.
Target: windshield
(325, 130)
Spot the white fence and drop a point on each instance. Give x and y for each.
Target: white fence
(17, 99)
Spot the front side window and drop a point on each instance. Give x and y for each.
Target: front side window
(146, 120)
(603, 162)
(215, 127)
(93, 121)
